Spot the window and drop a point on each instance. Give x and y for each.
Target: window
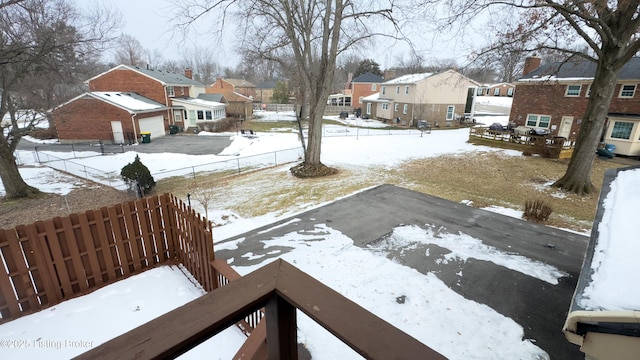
(450, 111)
(573, 90)
(397, 89)
(374, 87)
(510, 92)
(479, 92)
(178, 115)
(589, 91)
(627, 91)
(406, 90)
(542, 121)
(496, 92)
(395, 107)
(368, 108)
(360, 100)
(405, 108)
(207, 115)
(385, 106)
(622, 130)
(384, 90)
(185, 115)
(200, 115)
(170, 91)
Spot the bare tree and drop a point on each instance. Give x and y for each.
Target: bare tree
(608, 29)
(130, 51)
(313, 33)
(39, 39)
(204, 194)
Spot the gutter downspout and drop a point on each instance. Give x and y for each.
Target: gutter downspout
(133, 124)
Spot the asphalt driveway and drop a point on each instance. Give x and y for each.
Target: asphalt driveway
(182, 143)
(367, 217)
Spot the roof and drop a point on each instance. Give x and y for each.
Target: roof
(230, 96)
(408, 79)
(580, 69)
(375, 98)
(239, 82)
(269, 84)
(212, 97)
(368, 77)
(164, 77)
(199, 102)
(128, 101)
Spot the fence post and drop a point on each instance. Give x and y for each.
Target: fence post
(101, 147)
(86, 175)
(275, 157)
(238, 162)
(193, 171)
(73, 150)
(37, 155)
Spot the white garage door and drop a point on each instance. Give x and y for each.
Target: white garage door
(154, 125)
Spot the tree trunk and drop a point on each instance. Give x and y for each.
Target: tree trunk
(14, 185)
(577, 178)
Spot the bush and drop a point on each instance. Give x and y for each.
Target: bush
(221, 125)
(536, 211)
(138, 177)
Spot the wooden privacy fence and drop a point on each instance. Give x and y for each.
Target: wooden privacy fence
(50, 261)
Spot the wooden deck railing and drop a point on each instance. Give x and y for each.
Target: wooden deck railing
(281, 289)
(50, 261)
(557, 147)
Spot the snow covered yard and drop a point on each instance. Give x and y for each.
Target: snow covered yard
(434, 314)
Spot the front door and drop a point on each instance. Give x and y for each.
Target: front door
(116, 129)
(565, 126)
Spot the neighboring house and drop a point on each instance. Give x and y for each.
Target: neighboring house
(264, 92)
(363, 86)
(238, 105)
(440, 98)
(160, 86)
(114, 116)
(555, 96)
(239, 86)
(500, 89)
(188, 111)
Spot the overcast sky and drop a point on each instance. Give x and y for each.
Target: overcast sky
(148, 22)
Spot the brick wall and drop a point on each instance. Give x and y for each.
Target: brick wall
(128, 80)
(550, 99)
(90, 119)
(361, 90)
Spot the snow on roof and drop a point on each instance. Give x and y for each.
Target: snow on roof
(128, 100)
(372, 97)
(614, 284)
(199, 102)
(409, 79)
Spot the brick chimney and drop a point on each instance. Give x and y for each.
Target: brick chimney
(531, 63)
(389, 74)
(188, 73)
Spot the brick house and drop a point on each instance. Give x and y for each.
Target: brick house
(363, 86)
(240, 86)
(554, 96)
(178, 92)
(440, 98)
(114, 116)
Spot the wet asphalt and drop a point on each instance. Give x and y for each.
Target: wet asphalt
(368, 217)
